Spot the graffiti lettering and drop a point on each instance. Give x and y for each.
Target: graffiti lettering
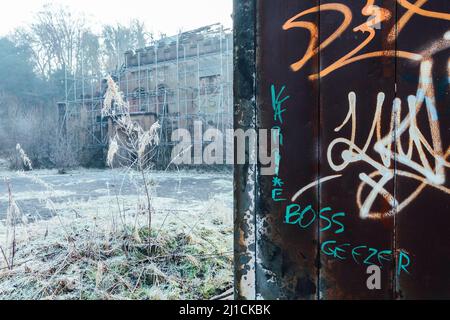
(377, 16)
(306, 217)
(420, 170)
(365, 255)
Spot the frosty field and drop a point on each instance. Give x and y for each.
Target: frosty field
(83, 235)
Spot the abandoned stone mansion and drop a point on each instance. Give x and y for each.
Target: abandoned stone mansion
(177, 81)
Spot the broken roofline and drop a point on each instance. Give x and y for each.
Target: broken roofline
(208, 31)
(189, 37)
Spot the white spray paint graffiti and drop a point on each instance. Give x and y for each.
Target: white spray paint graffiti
(426, 173)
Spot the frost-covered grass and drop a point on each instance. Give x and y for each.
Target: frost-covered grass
(125, 241)
(88, 264)
(98, 249)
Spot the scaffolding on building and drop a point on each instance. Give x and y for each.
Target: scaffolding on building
(176, 80)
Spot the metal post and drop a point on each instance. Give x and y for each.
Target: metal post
(245, 176)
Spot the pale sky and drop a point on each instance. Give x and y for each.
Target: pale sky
(166, 16)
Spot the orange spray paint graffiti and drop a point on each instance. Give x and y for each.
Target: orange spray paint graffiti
(378, 15)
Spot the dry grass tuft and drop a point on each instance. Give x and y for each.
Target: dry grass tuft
(93, 263)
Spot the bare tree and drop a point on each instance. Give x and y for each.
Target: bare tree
(59, 41)
(119, 38)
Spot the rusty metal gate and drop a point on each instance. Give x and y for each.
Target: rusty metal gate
(358, 94)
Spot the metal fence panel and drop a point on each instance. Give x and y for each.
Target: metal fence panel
(357, 93)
